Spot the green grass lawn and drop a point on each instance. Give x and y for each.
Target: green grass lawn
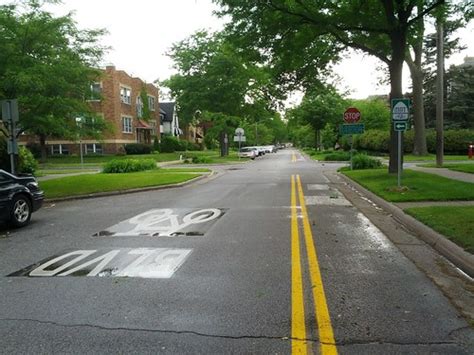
(71, 162)
(464, 168)
(62, 171)
(98, 160)
(456, 223)
(213, 156)
(93, 183)
(419, 186)
(186, 169)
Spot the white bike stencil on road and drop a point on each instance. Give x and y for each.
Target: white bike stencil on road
(166, 222)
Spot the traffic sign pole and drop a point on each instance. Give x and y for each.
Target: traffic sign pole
(400, 113)
(399, 177)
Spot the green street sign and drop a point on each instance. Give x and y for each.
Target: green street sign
(400, 126)
(400, 109)
(356, 128)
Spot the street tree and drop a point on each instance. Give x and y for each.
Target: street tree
(48, 64)
(319, 108)
(213, 78)
(380, 28)
(375, 114)
(421, 58)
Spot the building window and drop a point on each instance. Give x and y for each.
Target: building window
(96, 91)
(139, 107)
(127, 125)
(59, 149)
(125, 95)
(93, 148)
(151, 103)
(153, 128)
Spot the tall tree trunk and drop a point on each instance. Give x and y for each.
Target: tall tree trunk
(395, 69)
(419, 144)
(44, 153)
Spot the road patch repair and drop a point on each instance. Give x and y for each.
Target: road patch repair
(325, 196)
(166, 222)
(157, 263)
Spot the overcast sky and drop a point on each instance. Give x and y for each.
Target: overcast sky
(142, 31)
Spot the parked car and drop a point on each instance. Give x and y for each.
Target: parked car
(248, 152)
(20, 196)
(260, 150)
(270, 149)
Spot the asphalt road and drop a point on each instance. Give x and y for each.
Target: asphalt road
(232, 264)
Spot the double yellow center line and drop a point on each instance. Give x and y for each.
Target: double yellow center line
(299, 344)
(293, 158)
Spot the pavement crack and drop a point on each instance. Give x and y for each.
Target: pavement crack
(163, 331)
(459, 330)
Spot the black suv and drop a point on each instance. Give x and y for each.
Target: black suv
(20, 196)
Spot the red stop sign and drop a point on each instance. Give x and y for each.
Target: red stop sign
(352, 115)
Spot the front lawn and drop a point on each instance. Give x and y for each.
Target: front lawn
(94, 183)
(418, 186)
(98, 160)
(456, 223)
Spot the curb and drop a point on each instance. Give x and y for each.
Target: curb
(130, 191)
(453, 252)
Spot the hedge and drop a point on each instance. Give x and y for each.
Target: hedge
(170, 144)
(455, 141)
(118, 166)
(138, 148)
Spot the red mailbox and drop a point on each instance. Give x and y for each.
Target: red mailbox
(470, 151)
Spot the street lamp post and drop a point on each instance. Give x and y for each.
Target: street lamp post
(79, 124)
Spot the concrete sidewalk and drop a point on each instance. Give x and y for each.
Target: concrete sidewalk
(450, 174)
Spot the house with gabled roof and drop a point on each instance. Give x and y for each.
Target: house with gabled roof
(169, 119)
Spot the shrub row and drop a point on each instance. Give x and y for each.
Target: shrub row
(170, 144)
(25, 164)
(118, 166)
(138, 148)
(455, 141)
(363, 161)
(201, 160)
(338, 156)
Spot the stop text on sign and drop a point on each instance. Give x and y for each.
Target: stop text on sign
(351, 115)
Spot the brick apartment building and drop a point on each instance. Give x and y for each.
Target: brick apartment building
(117, 97)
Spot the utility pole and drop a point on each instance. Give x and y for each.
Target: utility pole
(439, 92)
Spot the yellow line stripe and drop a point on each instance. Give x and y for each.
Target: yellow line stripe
(326, 334)
(298, 327)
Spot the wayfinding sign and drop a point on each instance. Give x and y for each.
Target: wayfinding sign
(356, 128)
(400, 114)
(400, 126)
(400, 109)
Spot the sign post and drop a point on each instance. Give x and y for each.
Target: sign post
(10, 117)
(400, 115)
(239, 137)
(351, 126)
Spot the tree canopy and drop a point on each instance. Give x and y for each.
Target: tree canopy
(48, 64)
(379, 28)
(226, 88)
